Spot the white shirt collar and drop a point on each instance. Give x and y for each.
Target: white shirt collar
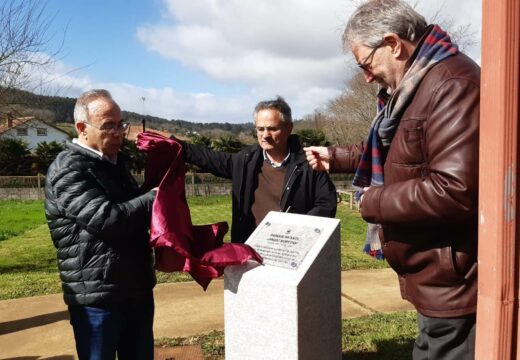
(98, 153)
(272, 163)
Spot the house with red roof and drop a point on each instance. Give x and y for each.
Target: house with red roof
(32, 130)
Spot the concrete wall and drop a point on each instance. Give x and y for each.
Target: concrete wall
(26, 187)
(203, 189)
(191, 190)
(21, 194)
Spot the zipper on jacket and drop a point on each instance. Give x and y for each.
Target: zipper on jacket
(241, 187)
(285, 188)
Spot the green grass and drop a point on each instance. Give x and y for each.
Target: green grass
(373, 337)
(380, 336)
(353, 229)
(210, 209)
(19, 216)
(28, 268)
(28, 258)
(28, 265)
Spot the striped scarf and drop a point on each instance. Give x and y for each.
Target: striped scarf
(436, 47)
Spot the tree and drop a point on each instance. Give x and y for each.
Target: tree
(348, 116)
(44, 155)
(14, 157)
(24, 43)
(136, 158)
(312, 137)
(198, 139)
(227, 143)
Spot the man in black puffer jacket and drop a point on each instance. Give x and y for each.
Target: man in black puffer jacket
(99, 219)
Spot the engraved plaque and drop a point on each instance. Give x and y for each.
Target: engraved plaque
(284, 245)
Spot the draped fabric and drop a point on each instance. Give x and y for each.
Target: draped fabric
(436, 47)
(180, 245)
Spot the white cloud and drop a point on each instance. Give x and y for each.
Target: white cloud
(286, 47)
(201, 107)
(291, 48)
(253, 42)
(54, 78)
(58, 79)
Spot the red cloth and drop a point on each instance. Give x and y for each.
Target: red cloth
(179, 245)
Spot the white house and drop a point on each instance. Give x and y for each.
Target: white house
(32, 131)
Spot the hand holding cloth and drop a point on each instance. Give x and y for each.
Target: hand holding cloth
(180, 245)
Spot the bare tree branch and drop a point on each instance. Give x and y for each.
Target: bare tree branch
(24, 44)
(349, 115)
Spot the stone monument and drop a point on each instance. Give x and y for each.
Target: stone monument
(289, 307)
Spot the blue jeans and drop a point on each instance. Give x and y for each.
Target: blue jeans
(125, 328)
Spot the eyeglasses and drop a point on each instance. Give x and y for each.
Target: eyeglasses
(120, 127)
(270, 129)
(367, 61)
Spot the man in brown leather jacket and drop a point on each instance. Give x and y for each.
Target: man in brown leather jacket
(419, 168)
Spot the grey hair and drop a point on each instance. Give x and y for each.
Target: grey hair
(277, 104)
(375, 18)
(83, 101)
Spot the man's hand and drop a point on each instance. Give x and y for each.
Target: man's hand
(318, 157)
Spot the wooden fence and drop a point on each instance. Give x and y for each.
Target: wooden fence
(349, 197)
(196, 184)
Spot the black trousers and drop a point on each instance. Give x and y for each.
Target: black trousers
(445, 338)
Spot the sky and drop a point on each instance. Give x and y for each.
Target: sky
(212, 60)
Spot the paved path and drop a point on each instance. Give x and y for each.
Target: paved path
(38, 328)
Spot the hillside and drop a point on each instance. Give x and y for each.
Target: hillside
(59, 110)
